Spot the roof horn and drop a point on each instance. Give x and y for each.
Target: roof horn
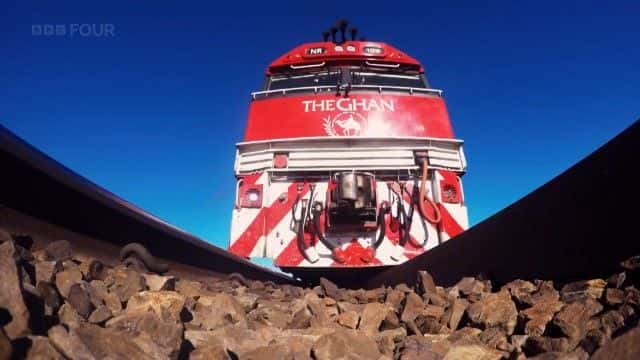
(354, 33)
(342, 25)
(334, 31)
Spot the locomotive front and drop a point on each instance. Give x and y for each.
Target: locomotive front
(348, 159)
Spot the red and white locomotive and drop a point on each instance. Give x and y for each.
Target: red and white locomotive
(348, 160)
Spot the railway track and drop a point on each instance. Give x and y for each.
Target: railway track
(586, 206)
(42, 197)
(578, 225)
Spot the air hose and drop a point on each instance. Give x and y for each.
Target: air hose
(384, 210)
(299, 224)
(317, 210)
(424, 198)
(336, 252)
(425, 227)
(408, 218)
(301, 221)
(405, 219)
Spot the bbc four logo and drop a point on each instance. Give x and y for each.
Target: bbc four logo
(74, 30)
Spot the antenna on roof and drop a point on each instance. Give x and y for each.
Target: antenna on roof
(342, 25)
(325, 36)
(354, 33)
(334, 31)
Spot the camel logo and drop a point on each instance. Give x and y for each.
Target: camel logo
(346, 123)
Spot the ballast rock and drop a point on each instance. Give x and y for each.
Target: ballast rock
(128, 313)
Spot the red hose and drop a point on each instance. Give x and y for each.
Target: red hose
(423, 198)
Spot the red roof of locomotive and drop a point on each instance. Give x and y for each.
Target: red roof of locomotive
(310, 54)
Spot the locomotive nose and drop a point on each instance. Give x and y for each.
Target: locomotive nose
(338, 128)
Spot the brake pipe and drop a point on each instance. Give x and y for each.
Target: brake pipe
(334, 248)
(408, 217)
(414, 199)
(385, 208)
(405, 219)
(424, 198)
(298, 221)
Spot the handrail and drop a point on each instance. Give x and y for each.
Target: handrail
(284, 91)
(296, 67)
(338, 153)
(393, 66)
(391, 87)
(410, 90)
(307, 139)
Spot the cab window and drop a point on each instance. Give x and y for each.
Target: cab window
(323, 78)
(388, 79)
(355, 75)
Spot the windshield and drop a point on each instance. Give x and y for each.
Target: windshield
(356, 76)
(322, 78)
(387, 79)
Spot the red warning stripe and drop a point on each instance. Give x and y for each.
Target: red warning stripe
(251, 179)
(290, 256)
(448, 223)
(245, 243)
(266, 219)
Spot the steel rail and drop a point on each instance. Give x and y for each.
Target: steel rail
(40, 187)
(577, 225)
(580, 224)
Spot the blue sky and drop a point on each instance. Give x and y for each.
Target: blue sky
(152, 113)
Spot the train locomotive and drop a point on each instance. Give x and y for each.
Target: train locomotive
(348, 159)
